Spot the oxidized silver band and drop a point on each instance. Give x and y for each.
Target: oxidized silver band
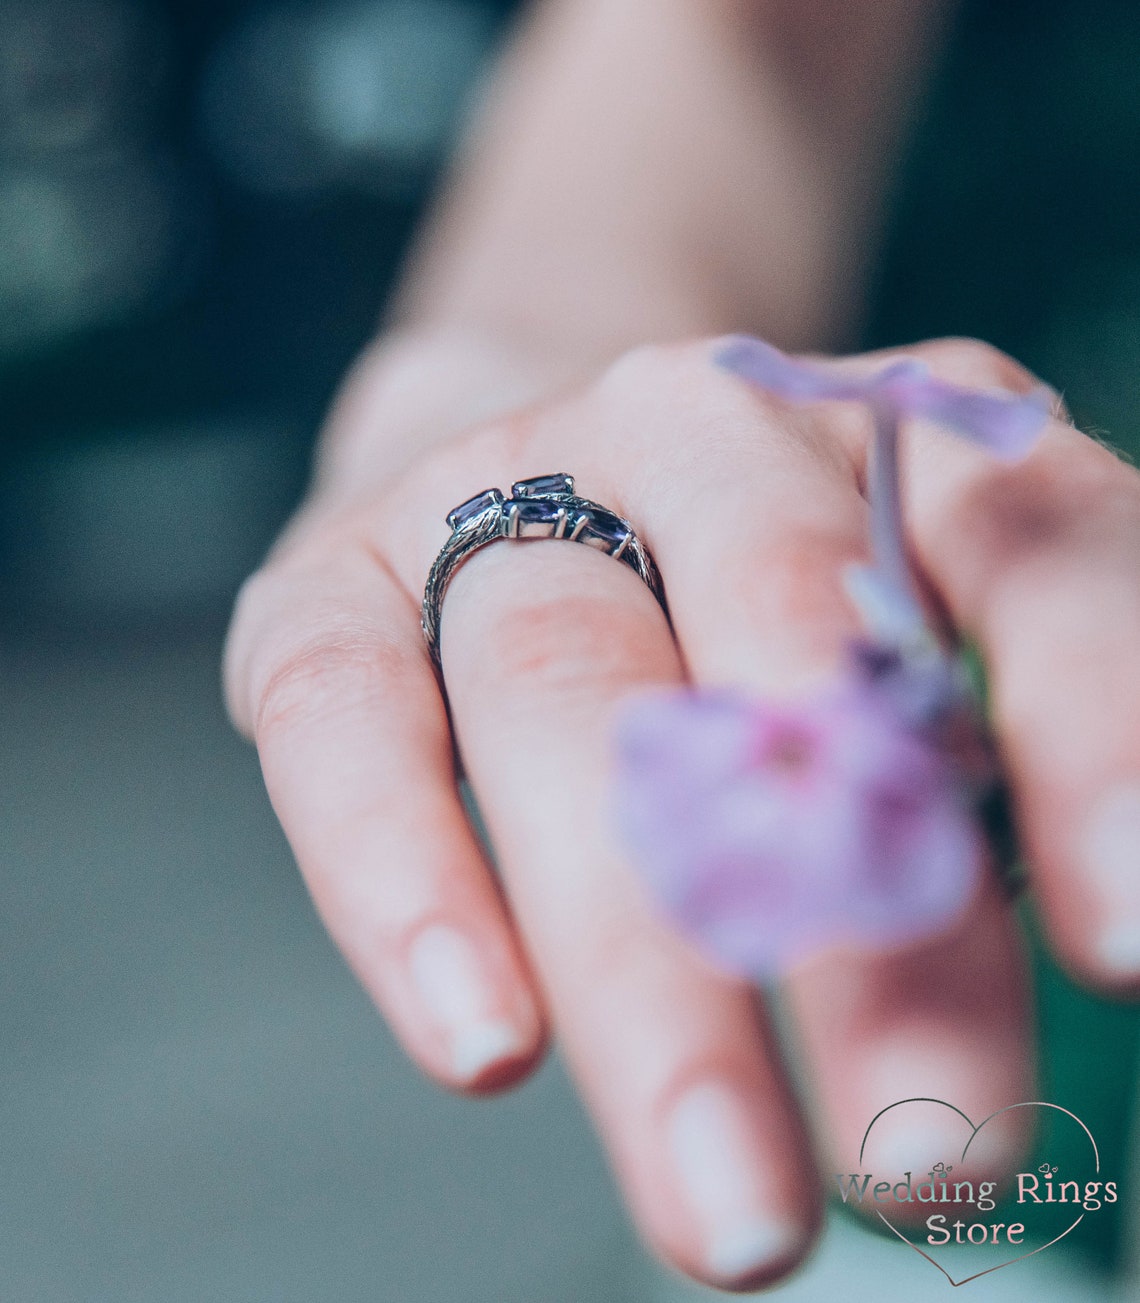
(543, 507)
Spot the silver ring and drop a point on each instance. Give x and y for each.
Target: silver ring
(543, 507)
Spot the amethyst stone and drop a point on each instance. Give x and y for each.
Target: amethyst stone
(473, 507)
(604, 530)
(536, 518)
(542, 486)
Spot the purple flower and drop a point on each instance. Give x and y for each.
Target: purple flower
(769, 830)
(1007, 425)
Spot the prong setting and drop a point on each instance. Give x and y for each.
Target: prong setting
(467, 511)
(544, 486)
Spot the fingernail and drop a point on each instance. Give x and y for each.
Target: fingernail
(477, 1047)
(452, 983)
(914, 1146)
(736, 1253)
(1118, 948)
(1111, 843)
(713, 1154)
(1110, 855)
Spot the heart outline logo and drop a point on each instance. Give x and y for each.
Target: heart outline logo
(927, 1099)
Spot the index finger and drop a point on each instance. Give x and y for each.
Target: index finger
(327, 672)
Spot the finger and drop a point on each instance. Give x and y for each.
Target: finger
(326, 670)
(947, 1019)
(541, 643)
(1040, 562)
(766, 499)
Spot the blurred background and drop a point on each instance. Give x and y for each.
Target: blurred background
(203, 204)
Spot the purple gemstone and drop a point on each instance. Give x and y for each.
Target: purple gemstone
(604, 530)
(535, 518)
(543, 486)
(538, 512)
(473, 507)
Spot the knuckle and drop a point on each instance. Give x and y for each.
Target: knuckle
(648, 396)
(639, 368)
(316, 630)
(341, 671)
(491, 445)
(973, 361)
(502, 440)
(485, 454)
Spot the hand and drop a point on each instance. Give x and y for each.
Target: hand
(752, 510)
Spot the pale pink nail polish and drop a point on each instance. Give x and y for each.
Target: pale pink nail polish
(714, 1159)
(1109, 855)
(453, 984)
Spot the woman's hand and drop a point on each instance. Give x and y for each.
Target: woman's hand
(752, 511)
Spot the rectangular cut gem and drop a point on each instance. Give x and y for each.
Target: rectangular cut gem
(542, 486)
(536, 519)
(473, 507)
(605, 530)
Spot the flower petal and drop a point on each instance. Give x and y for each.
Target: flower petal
(1007, 425)
(786, 377)
(767, 831)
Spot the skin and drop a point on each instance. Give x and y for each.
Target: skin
(651, 170)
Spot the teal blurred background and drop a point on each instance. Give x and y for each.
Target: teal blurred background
(202, 208)
(1015, 219)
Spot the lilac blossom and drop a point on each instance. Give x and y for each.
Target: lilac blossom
(769, 830)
